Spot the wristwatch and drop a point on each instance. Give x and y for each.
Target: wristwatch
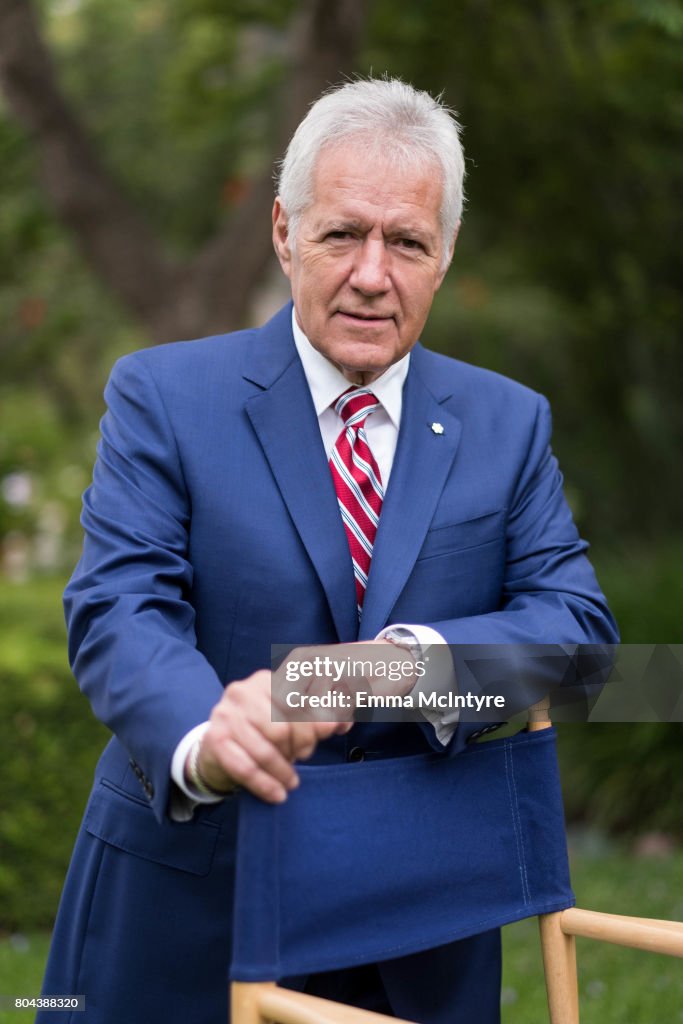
(406, 640)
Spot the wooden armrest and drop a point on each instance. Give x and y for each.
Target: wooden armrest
(636, 932)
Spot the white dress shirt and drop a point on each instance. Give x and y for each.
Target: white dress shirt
(326, 384)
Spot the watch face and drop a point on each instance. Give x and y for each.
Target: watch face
(405, 643)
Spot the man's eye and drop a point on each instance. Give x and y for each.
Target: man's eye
(410, 243)
(339, 235)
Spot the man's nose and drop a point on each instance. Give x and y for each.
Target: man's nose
(370, 272)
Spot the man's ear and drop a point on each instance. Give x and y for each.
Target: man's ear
(454, 239)
(451, 249)
(281, 236)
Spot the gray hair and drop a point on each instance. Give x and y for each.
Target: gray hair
(393, 119)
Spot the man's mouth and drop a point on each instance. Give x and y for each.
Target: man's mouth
(365, 317)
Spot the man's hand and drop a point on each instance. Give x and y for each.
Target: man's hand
(244, 746)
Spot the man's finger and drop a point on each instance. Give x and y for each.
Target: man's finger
(249, 774)
(263, 752)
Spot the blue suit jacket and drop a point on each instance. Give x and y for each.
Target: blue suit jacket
(212, 531)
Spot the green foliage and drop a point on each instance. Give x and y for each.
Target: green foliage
(192, 87)
(625, 778)
(49, 742)
(568, 268)
(644, 588)
(180, 102)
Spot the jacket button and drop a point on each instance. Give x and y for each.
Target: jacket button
(356, 754)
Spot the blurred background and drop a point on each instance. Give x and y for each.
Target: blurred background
(137, 145)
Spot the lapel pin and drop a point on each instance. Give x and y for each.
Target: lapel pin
(437, 428)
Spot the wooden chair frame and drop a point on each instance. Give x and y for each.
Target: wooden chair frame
(267, 1003)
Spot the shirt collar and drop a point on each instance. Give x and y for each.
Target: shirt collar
(327, 383)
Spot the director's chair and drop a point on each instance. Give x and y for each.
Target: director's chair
(482, 843)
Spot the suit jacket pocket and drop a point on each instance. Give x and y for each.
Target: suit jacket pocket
(470, 533)
(124, 821)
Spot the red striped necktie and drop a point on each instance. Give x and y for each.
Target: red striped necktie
(357, 482)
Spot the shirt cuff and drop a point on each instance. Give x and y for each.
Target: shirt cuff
(439, 677)
(184, 802)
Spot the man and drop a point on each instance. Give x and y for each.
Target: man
(236, 478)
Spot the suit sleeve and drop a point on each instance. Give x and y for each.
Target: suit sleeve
(132, 642)
(550, 594)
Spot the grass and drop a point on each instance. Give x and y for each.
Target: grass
(22, 961)
(617, 986)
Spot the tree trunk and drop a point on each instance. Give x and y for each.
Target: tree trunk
(212, 291)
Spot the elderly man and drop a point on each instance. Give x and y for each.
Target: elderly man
(323, 479)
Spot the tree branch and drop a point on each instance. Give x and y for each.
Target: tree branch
(114, 237)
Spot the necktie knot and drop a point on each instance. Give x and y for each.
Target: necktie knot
(355, 405)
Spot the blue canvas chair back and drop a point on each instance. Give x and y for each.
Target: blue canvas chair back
(372, 861)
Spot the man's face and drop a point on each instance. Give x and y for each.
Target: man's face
(366, 261)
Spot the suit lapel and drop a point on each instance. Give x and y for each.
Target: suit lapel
(284, 419)
(421, 465)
